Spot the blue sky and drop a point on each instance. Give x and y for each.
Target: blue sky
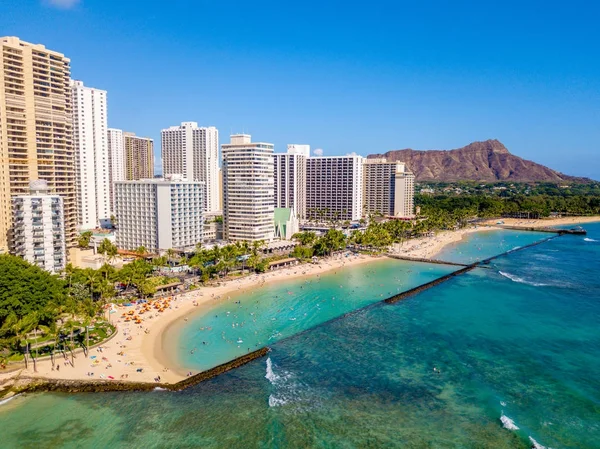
(341, 75)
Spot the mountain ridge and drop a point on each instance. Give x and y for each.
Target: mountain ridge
(488, 161)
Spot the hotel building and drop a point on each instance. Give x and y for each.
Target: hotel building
(193, 152)
(159, 214)
(334, 187)
(92, 168)
(248, 210)
(289, 173)
(116, 162)
(388, 189)
(36, 129)
(38, 230)
(139, 157)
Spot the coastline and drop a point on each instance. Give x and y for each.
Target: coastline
(145, 346)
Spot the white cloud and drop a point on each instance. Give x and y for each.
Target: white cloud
(62, 4)
(318, 151)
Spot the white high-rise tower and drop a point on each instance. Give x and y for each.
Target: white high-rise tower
(248, 210)
(91, 155)
(116, 156)
(194, 153)
(290, 179)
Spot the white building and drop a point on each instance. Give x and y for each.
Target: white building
(388, 189)
(159, 214)
(334, 188)
(193, 152)
(248, 210)
(116, 158)
(303, 150)
(92, 168)
(38, 233)
(289, 173)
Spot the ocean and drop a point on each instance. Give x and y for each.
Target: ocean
(505, 356)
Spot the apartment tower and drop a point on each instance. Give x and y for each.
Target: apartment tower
(334, 188)
(248, 210)
(388, 189)
(92, 167)
(36, 129)
(193, 152)
(116, 162)
(289, 174)
(159, 214)
(38, 230)
(139, 157)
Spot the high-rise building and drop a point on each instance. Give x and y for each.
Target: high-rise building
(116, 158)
(248, 211)
(388, 189)
(91, 155)
(36, 129)
(290, 179)
(193, 152)
(159, 214)
(334, 188)
(139, 157)
(294, 148)
(38, 230)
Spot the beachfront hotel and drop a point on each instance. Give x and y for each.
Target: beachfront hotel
(36, 129)
(116, 161)
(92, 169)
(159, 214)
(289, 173)
(139, 157)
(388, 189)
(334, 187)
(194, 152)
(248, 209)
(38, 230)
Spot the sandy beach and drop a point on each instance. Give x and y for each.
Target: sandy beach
(542, 222)
(137, 352)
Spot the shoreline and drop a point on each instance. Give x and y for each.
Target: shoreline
(145, 346)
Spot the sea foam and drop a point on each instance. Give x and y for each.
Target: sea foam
(587, 239)
(508, 423)
(537, 445)
(271, 376)
(7, 400)
(520, 280)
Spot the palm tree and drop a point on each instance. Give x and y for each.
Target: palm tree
(170, 255)
(88, 310)
(141, 251)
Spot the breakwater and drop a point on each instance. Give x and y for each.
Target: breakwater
(37, 385)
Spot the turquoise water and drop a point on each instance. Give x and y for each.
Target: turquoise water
(479, 246)
(518, 340)
(261, 317)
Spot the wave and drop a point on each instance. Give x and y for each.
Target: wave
(536, 445)
(276, 402)
(508, 423)
(7, 400)
(271, 376)
(587, 239)
(520, 280)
